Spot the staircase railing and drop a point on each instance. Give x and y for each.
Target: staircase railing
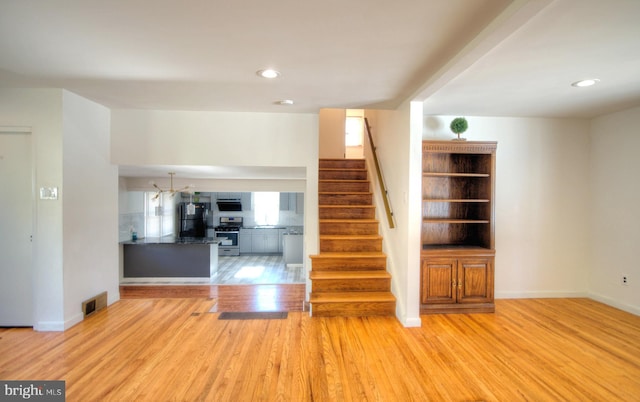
(383, 187)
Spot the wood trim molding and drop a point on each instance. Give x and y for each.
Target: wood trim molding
(466, 147)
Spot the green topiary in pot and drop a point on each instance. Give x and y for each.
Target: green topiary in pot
(459, 125)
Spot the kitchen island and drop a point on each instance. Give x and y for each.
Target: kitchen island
(191, 260)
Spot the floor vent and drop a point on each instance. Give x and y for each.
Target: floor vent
(94, 304)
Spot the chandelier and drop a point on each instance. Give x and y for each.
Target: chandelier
(171, 191)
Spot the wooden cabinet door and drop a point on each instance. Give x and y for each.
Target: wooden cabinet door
(475, 280)
(438, 280)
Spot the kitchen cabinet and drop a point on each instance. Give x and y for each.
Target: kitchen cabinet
(247, 201)
(265, 241)
(228, 196)
(244, 241)
(450, 284)
(292, 249)
(284, 201)
(261, 241)
(288, 201)
(300, 203)
(196, 197)
(458, 219)
(169, 259)
(281, 240)
(292, 202)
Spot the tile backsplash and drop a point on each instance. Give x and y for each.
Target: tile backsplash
(128, 221)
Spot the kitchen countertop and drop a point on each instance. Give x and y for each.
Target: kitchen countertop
(295, 230)
(264, 227)
(172, 240)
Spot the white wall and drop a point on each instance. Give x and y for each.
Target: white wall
(395, 139)
(147, 137)
(90, 208)
(542, 202)
(614, 176)
(332, 133)
(71, 258)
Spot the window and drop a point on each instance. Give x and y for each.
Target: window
(354, 128)
(266, 208)
(159, 215)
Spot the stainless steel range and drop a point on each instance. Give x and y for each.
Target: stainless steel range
(228, 232)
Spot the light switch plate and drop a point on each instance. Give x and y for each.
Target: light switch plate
(48, 193)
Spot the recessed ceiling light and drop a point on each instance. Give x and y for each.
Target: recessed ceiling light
(268, 73)
(585, 83)
(284, 102)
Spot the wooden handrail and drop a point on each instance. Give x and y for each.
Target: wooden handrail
(383, 187)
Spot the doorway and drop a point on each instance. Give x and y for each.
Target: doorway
(354, 134)
(16, 228)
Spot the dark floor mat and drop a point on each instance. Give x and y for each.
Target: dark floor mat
(264, 315)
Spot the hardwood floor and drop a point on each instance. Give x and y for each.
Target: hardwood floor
(175, 349)
(284, 297)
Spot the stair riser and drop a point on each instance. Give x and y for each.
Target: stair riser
(350, 282)
(356, 285)
(347, 213)
(345, 199)
(353, 309)
(341, 164)
(346, 186)
(350, 228)
(345, 263)
(349, 245)
(342, 175)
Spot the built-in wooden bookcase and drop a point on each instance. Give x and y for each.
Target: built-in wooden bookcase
(457, 226)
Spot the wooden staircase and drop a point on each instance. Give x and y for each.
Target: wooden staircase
(348, 276)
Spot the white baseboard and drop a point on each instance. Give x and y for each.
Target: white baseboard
(550, 295)
(113, 297)
(47, 326)
(73, 320)
(410, 322)
(615, 303)
(538, 295)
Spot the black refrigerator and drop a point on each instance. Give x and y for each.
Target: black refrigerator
(193, 225)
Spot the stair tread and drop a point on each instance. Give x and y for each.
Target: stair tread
(360, 254)
(337, 297)
(344, 192)
(349, 283)
(351, 236)
(349, 274)
(347, 206)
(342, 159)
(344, 181)
(340, 169)
(349, 220)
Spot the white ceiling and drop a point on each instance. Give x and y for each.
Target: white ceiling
(529, 72)
(461, 57)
